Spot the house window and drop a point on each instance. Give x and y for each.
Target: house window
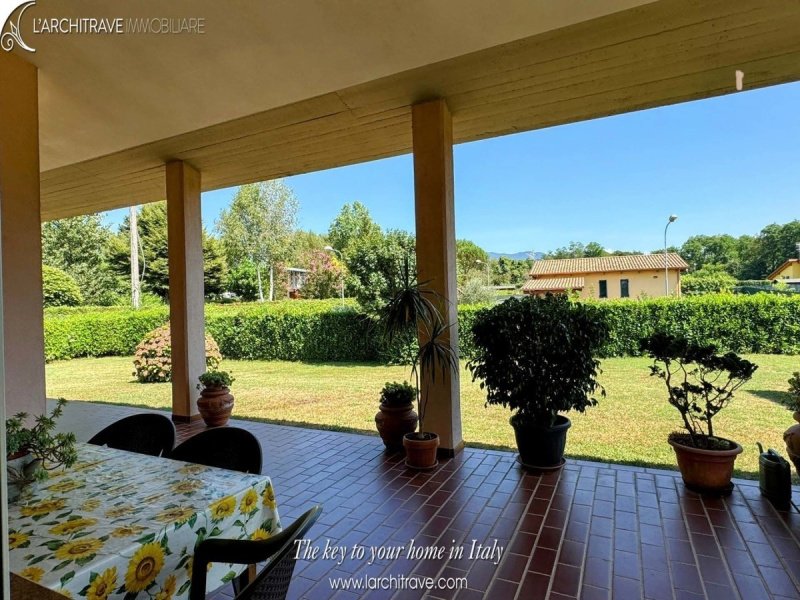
(624, 290)
(603, 288)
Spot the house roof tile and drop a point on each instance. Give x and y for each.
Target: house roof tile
(602, 264)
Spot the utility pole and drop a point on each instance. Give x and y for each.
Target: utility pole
(135, 282)
(670, 221)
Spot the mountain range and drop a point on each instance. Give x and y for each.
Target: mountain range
(517, 255)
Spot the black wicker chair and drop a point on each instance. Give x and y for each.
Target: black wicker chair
(147, 433)
(272, 583)
(225, 447)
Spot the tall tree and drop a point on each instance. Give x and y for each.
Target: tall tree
(353, 223)
(578, 250)
(707, 250)
(774, 245)
(376, 265)
(79, 246)
(258, 226)
(155, 261)
(471, 261)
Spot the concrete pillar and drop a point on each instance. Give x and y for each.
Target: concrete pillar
(186, 296)
(436, 254)
(20, 229)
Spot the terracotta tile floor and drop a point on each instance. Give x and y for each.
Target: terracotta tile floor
(590, 531)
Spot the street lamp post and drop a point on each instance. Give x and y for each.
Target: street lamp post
(488, 272)
(341, 257)
(670, 221)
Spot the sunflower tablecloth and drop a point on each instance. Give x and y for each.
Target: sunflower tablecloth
(124, 525)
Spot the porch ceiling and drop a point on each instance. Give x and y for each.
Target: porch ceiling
(319, 88)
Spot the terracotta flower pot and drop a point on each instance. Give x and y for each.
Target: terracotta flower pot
(706, 471)
(215, 405)
(421, 451)
(792, 439)
(393, 422)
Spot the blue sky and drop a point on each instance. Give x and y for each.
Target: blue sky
(725, 165)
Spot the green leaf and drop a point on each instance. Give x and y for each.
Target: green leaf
(66, 578)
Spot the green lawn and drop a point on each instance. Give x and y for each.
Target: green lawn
(629, 426)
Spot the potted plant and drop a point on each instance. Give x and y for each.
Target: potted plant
(412, 313)
(536, 356)
(216, 401)
(700, 383)
(396, 416)
(33, 451)
(792, 435)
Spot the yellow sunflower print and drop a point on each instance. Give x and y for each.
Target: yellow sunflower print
(92, 504)
(65, 593)
(249, 503)
(260, 534)
(32, 573)
(103, 585)
(191, 469)
(16, 539)
(223, 508)
(179, 514)
(42, 508)
(66, 486)
(268, 497)
(73, 526)
(144, 567)
(186, 486)
(127, 531)
(119, 511)
(168, 590)
(81, 548)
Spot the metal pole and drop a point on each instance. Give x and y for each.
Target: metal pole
(666, 262)
(672, 219)
(135, 282)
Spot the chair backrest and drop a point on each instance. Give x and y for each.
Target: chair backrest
(272, 583)
(147, 433)
(225, 447)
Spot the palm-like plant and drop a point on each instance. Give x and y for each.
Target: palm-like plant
(412, 309)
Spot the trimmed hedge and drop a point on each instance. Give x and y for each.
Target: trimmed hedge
(760, 323)
(323, 330)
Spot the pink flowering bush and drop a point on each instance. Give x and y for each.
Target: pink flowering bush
(325, 276)
(152, 361)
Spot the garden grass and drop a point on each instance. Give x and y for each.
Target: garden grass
(630, 425)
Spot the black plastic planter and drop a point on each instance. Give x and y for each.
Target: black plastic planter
(542, 447)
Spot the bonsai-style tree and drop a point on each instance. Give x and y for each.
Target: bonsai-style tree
(536, 356)
(412, 311)
(49, 450)
(700, 383)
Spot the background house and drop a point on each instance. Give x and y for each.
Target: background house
(788, 273)
(608, 276)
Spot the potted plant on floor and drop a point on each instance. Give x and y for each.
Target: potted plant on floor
(396, 416)
(536, 356)
(792, 435)
(216, 401)
(412, 312)
(33, 451)
(700, 383)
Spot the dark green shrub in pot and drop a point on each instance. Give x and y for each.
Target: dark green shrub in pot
(536, 356)
(700, 383)
(216, 401)
(396, 416)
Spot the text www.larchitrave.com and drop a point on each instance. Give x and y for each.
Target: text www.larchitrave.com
(398, 582)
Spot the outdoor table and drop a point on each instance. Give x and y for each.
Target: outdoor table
(119, 524)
